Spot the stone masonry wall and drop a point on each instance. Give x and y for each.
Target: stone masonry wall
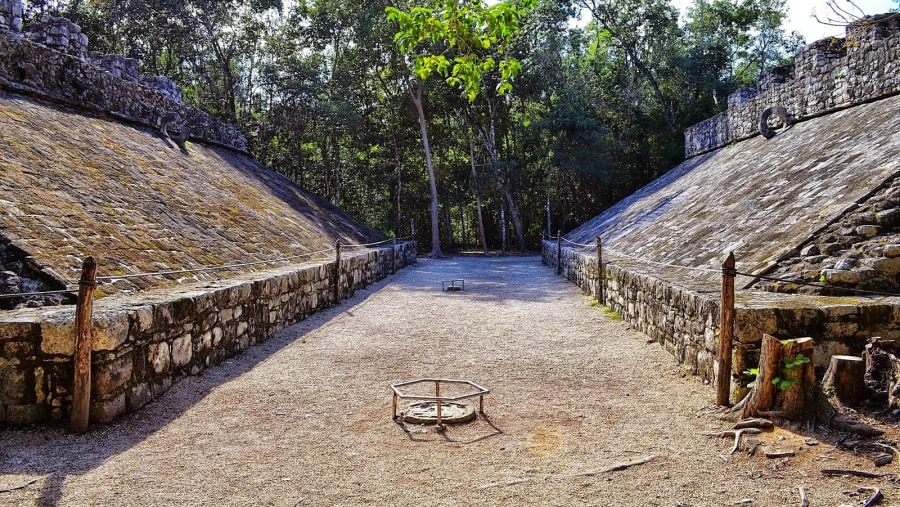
(51, 62)
(827, 75)
(686, 322)
(143, 345)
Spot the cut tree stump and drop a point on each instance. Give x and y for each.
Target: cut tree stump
(802, 397)
(846, 375)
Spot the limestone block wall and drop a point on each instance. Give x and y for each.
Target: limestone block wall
(50, 62)
(827, 75)
(143, 345)
(686, 322)
(11, 15)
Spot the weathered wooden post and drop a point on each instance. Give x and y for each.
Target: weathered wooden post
(81, 392)
(559, 252)
(726, 332)
(337, 271)
(394, 256)
(600, 274)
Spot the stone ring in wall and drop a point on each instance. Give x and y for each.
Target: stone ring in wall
(764, 127)
(167, 120)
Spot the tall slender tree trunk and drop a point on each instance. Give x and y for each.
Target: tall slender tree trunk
(489, 139)
(432, 184)
(482, 236)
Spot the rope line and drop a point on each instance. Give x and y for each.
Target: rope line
(576, 244)
(212, 268)
(819, 285)
(44, 293)
(367, 245)
(755, 277)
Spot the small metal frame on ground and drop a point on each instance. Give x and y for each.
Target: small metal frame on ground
(453, 284)
(437, 404)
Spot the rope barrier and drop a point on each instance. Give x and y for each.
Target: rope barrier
(577, 244)
(212, 268)
(44, 293)
(819, 285)
(367, 245)
(719, 271)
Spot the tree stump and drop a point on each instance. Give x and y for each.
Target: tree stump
(845, 375)
(799, 400)
(762, 397)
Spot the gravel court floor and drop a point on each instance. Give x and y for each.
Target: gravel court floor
(305, 418)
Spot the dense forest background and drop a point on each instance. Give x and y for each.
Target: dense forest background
(326, 96)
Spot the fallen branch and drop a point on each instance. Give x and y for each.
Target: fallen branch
(875, 498)
(804, 502)
(888, 447)
(779, 454)
(613, 468)
(755, 423)
(858, 473)
(23, 486)
(737, 434)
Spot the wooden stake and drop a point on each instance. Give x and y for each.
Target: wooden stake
(394, 256)
(726, 332)
(337, 271)
(559, 252)
(601, 278)
(81, 392)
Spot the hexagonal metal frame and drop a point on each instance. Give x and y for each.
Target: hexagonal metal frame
(398, 394)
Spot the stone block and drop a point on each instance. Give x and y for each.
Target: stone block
(888, 265)
(182, 350)
(143, 318)
(109, 377)
(892, 251)
(24, 415)
(108, 410)
(160, 357)
(58, 334)
(139, 395)
(110, 331)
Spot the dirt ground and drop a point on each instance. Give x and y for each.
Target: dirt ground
(305, 418)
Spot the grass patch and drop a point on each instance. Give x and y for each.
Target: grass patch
(614, 315)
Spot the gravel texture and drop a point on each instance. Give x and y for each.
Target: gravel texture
(305, 418)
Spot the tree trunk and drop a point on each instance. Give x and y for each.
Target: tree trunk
(489, 138)
(481, 234)
(799, 400)
(845, 375)
(432, 184)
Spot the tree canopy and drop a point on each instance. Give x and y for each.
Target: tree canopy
(536, 121)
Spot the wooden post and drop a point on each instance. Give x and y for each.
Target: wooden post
(601, 278)
(559, 252)
(81, 392)
(394, 256)
(726, 332)
(337, 271)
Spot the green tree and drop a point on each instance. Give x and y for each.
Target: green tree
(459, 29)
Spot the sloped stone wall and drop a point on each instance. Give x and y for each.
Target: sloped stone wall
(686, 322)
(144, 345)
(827, 75)
(50, 61)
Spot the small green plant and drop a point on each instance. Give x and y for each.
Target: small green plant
(788, 379)
(593, 303)
(614, 315)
